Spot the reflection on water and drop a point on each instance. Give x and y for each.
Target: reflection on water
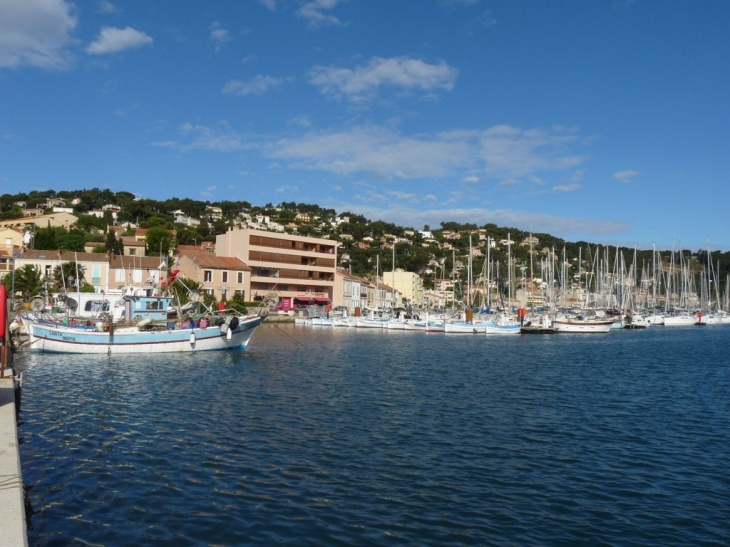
(321, 436)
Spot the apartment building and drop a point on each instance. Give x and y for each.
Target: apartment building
(221, 277)
(300, 270)
(408, 284)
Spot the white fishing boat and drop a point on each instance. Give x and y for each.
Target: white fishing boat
(230, 331)
(371, 323)
(682, 319)
(504, 325)
(580, 324)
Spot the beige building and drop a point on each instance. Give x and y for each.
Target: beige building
(95, 265)
(219, 276)
(350, 291)
(138, 271)
(133, 246)
(300, 270)
(408, 284)
(66, 220)
(11, 238)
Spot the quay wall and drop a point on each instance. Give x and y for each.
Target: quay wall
(13, 531)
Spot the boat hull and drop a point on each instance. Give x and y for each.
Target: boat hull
(583, 326)
(132, 340)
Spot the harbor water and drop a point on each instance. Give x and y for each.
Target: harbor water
(336, 436)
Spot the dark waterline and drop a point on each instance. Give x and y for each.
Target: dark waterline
(322, 436)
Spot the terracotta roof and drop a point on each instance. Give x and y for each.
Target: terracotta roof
(129, 241)
(143, 262)
(64, 256)
(189, 250)
(208, 260)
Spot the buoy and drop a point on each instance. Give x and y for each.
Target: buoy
(192, 338)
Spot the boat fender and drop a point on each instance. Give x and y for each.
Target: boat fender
(100, 326)
(192, 338)
(229, 334)
(143, 323)
(233, 323)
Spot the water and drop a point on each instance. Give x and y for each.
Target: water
(321, 436)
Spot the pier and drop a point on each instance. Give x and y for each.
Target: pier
(12, 493)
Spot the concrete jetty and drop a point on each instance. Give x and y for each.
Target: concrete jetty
(13, 531)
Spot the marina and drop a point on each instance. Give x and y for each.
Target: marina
(330, 436)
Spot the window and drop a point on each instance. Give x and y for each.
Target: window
(209, 292)
(207, 276)
(132, 251)
(224, 277)
(119, 276)
(95, 275)
(240, 277)
(49, 271)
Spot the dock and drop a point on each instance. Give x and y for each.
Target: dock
(13, 531)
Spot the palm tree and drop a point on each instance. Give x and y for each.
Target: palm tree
(28, 281)
(64, 275)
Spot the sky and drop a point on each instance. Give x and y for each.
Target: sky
(603, 121)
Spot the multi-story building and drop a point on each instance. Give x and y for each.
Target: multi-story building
(221, 277)
(300, 270)
(408, 284)
(350, 291)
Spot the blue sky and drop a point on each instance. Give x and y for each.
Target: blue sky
(601, 120)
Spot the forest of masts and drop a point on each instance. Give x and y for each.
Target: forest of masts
(603, 279)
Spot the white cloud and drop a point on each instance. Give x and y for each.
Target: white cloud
(565, 188)
(106, 7)
(286, 189)
(378, 151)
(511, 151)
(502, 152)
(256, 86)
(219, 35)
(112, 40)
(399, 72)
(313, 13)
(402, 195)
(269, 4)
(625, 176)
(220, 139)
(36, 33)
(564, 227)
(383, 153)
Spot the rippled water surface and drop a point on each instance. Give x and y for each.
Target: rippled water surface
(321, 436)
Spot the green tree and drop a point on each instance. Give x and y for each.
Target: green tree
(28, 281)
(113, 245)
(159, 241)
(73, 240)
(45, 238)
